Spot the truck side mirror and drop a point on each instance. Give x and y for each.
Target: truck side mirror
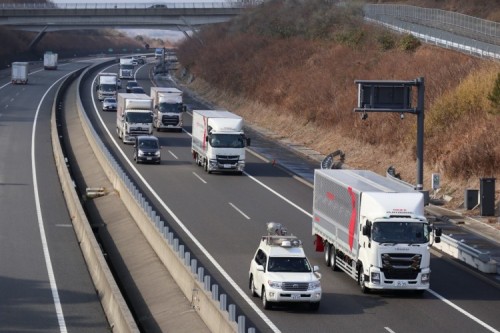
(366, 231)
(206, 138)
(248, 141)
(184, 108)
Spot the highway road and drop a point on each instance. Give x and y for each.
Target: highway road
(44, 282)
(227, 214)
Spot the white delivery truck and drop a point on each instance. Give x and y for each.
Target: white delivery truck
(373, 228)
(20, 72)
(127, 68)
(107, 85)
(168, 108)
(134, 116)
(50, 61)
(218, 141)
(159, 53)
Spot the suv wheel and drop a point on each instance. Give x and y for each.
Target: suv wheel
(265, 303)
(252, 287)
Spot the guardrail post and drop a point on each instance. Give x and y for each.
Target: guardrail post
(223, 302)
(215, 292)
(241, 324)
(206, 280)
(232, 312)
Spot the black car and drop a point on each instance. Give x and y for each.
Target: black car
(147, 149)
(137, 90)
(130, 85)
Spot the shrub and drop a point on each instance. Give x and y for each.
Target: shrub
(494, 96)
(386, 41)
(409, 43)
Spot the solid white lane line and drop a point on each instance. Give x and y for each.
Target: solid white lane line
(239, 211)
(388, 329)
(462, 311)
(46, 253)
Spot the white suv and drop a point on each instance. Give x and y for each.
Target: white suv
(280, 271)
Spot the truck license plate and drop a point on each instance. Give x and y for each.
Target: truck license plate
(401, 283)
(295, 296)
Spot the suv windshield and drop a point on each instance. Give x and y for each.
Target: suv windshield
(288, 264)
(148, 144)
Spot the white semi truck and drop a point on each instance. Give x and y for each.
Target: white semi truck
(20, 72)
(218, 141)
(127, 68)
(50, 60)
(134, 116)
(168, 108)
(107, 85)
(373, 228)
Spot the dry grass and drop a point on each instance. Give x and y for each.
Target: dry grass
(303, 89)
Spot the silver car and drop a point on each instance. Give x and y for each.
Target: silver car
(109, 104)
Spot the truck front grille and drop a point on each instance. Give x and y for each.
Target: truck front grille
(227, 159)
(294, 286)
(401, 266)
(170, 120)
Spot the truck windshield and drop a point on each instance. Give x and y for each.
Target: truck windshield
(227, 141)
(131, 66)
(286, 264)
(400, 232)
(170, 107)
(108, 87)
(139, 117)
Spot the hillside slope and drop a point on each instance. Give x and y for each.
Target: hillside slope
(290, 66)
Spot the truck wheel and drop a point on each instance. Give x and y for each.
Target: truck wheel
(333, 258)
(361, 281)
(327, 251)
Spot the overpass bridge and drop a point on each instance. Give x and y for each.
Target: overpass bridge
(47, 17)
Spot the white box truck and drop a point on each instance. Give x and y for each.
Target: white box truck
(127, 68)
(107, 85)
(20, 72)
(50, 60)
(134, 116)
(218, 141)
(373, 228)
(168, 108)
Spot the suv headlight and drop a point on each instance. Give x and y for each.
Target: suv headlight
(140, 152)
(314, 285)
(157, 153)
(274, 284)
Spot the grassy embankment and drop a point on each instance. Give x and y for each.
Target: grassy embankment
(290, 67)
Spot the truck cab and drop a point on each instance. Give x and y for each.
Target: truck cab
(281, 273)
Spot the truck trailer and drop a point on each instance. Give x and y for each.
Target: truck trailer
(373, 228)
(218, 141)
(20, 72)
(168, 108)
(107, 85)
(134, 116)
(50, 60)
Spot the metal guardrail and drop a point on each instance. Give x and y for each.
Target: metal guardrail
(169, 238)
(472, 42)
(469, 26)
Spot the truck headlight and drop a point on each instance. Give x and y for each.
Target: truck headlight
(375, 277)
(314, 285)
(274, 284)
(426, 277)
